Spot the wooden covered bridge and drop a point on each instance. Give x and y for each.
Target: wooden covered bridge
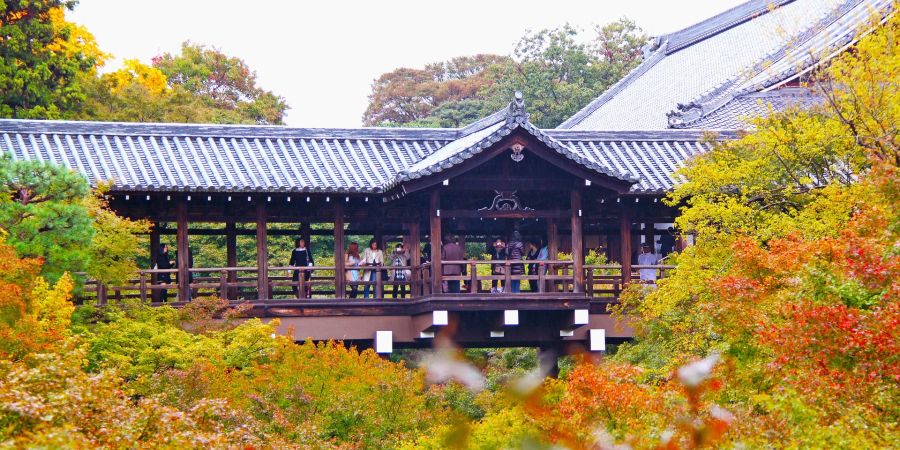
(579, 191)
(577, 188)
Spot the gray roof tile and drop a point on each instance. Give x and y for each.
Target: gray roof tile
(738, 112)
(224, 158)
(746, 49)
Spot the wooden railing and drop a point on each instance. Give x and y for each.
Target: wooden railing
(241, 283)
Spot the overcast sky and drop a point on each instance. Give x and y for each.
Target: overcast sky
(323, 55)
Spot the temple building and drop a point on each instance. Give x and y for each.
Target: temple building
(592, 186)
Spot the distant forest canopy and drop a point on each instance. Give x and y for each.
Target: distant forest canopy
(559, 70)
(50, 69)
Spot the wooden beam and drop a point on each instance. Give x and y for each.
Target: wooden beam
(474, 214)
(184, 288)
(339, 250)
(577, 241)
(280, 232)
(512, 182)
(435, 233)
(625, 235)
(262, 251)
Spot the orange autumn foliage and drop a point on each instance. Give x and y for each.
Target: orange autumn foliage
(20, 332)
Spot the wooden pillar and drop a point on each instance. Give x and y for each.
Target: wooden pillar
(154, 244)
(650, 235)
(378, 234)
(184, 288)
(625, 235)
(154, 253)
(434, 214)
(552, 251)
(262, 251)
(306, 234)
(230, 245)
(414, 244)
(231, 257)
(339, 250)
(552, 239)
(577, 242)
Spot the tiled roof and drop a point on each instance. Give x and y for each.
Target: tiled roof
(739, 111)
(746, 49)
(225, 158)
(236, 158)
(653, 157)
(496, 127)
(160, 157)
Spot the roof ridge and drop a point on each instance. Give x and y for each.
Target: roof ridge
(514, 116)
(72, 127)
(719, 23)
(511, 111)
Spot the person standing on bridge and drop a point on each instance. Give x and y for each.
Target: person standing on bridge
(352, 262)
(452, 251)
(400, 258)
(373, 258)
(516, 251)
(498, 253)
(647, 258)
(301, 257)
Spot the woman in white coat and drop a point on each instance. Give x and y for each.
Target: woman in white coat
(373, 258)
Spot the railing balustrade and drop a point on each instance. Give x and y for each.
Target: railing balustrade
(240, 283)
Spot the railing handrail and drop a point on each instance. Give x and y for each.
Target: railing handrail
(555, 276)
(504, 261)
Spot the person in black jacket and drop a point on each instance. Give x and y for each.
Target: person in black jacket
(163, 262)
(515, 251)
(301, 257)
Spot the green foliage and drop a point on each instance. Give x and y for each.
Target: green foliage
(139, 93)
(41, 58)
(223, 83)
(48, 212)
(42, 209)
(139, 341)
(461, 400)
(557, 73)
(793, 278)
(116, 245)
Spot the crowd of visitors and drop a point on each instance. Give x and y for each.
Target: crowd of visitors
(518, 256)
